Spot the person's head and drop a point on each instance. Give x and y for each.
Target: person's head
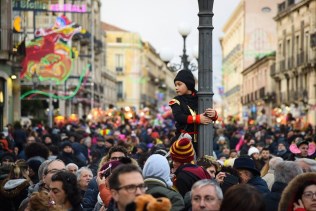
(306, 164)
(285, 171)
(64, 190)
(181, 152)
(246, 168)
(30, 139)
(7, 159)
(117, 152)
(274, 161)
(265, 154)
(282, 146)
(268, 139)
(210, 164)
(307, 193)
(72, 167)
(299, 189)
(157, 166)
(126, 182)
(141, 148)
(184, 82)
(84, 176)
(109, 142)
(253, 152)
(36, 149)
(100, 141)
(67, 147)
(303, 146)
(52, 167)
(206, 195)
(233, 153)
(242, 197)
(20, 169)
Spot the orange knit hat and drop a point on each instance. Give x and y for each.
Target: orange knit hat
(182, 151)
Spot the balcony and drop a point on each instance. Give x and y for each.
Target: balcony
(282, 65)
(293, 95)
(300, 59)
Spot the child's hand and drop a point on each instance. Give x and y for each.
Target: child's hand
(211, 113)
(204, 119)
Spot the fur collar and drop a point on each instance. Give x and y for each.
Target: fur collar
(288, 195)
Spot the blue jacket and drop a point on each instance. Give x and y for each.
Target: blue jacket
(259, 184)
(91, 195)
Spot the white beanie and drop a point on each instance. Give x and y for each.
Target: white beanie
(157, 166)
(253, 150)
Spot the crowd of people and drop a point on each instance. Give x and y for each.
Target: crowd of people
(66, 168)
(119, 164)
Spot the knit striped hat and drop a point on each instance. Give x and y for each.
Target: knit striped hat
(182, 151)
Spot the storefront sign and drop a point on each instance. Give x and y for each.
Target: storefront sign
(29, 5)
(68, 8)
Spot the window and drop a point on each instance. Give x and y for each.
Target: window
(119, 62)
(119, 85)
(119, 39)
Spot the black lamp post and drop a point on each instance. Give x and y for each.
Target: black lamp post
(166, 55)
(205, 89)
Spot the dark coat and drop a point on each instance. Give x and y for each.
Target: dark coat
(272, 199)
(158, 187)
(11, 199)
(180, 111)
(186, 175)
(259, 184)
(91, 195)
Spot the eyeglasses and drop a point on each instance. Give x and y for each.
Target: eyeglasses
(116, 158)
(53, 171)
(309, 194)
(133, 188)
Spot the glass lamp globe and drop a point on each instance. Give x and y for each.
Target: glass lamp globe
(184, 29)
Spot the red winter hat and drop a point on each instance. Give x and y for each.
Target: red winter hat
(182, 151)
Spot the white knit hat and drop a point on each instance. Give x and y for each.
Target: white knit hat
(253, 150)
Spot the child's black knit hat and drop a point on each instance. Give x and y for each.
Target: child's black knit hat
(186, 77)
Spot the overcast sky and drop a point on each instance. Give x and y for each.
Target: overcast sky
(157, 22)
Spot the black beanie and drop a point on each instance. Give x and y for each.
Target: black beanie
(186, 77)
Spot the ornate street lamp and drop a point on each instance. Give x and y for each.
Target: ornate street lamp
(166, 55)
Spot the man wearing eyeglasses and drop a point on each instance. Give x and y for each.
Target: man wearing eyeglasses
(53, 167)
(126, 182)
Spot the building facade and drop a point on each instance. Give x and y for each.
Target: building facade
(143, 79)
(295, 69)
(258, 97)
(9, 85)
(249, 34)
